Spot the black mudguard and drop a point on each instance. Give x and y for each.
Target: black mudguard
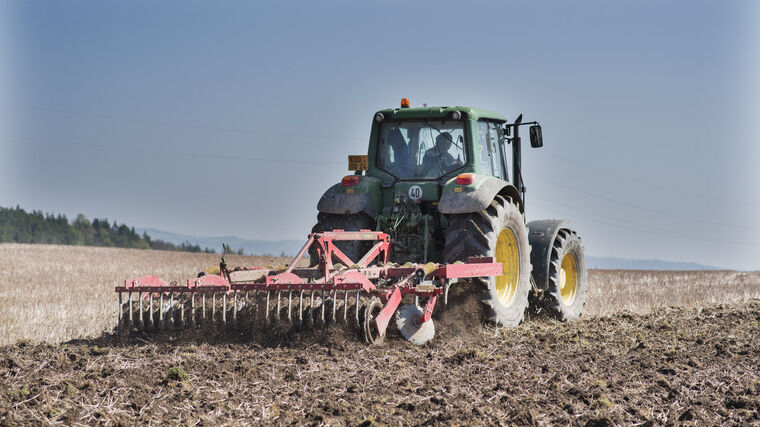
(474, 201)
(333, 202)
(541, 235)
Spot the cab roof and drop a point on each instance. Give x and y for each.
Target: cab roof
(425, 112)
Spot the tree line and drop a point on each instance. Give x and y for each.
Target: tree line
(19, 226)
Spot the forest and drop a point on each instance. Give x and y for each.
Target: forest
(19, 226)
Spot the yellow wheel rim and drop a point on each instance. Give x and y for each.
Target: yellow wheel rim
(568, 279)
(508, 254)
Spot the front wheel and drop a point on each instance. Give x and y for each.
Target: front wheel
(499, 231)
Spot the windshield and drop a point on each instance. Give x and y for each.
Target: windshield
(421, 149)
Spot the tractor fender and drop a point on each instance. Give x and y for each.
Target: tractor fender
(350, 200)
(541, 235)
(475, 197)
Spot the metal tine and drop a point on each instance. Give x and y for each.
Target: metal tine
(290, 307)
(279, 301)
(234, 308)
(129, 302)
(170, 312)
(266, 311)
(310, 322)
(224, 308)
(323, 307)
(213, 307)
(256, 303)
(334, 305)
(192, 310)
(140, 308)
(345, 309)
(150, 324)
(120, 310)
(300, 310)
(356, 314)
(161, 324)
(181, 300)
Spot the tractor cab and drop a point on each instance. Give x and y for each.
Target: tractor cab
(425, 163)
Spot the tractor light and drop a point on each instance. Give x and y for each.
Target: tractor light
(456, 115)
(465, 179)
(404, 102)
(349, 181)
(379, 117)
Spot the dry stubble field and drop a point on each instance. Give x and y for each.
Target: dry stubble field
(653, 347)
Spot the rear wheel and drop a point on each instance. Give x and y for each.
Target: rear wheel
(499, 231)
(352, 222)
(566, 295)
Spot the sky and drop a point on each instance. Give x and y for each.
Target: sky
(232, 118)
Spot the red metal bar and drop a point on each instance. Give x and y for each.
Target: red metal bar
(382, 246)
(300, 253)
(307, 286)
(458, 271)
(354, 276)
(333, 250)
(339, 234)
(167, 289)
(428, 313)
(149, 280)
(382, 319)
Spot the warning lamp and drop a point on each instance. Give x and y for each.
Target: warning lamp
(349, 180)
(404, 102)
(465, 178)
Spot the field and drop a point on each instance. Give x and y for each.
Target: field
(653, 347)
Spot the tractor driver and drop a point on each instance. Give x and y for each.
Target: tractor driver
(437, 160)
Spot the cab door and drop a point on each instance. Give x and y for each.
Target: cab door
(490, 155)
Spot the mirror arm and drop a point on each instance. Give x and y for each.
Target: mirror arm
(514, 125)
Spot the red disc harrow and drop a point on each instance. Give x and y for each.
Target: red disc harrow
(375, 286)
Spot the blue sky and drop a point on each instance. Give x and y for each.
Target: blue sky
(213, 118)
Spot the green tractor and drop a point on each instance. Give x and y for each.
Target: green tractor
(436, 179)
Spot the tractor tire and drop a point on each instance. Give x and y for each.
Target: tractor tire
(499, 231)
(568, 279)
(351, 222)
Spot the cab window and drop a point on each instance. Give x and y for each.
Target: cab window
(490, 156)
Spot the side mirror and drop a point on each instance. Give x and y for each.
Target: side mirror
(536, 140)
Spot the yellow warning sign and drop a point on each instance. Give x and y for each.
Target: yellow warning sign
(358, 163)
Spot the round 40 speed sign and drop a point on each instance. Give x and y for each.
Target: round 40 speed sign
(415, 192)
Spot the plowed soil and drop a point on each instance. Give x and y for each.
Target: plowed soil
(671, 366)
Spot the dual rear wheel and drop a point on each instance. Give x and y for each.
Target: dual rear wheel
(500, 232)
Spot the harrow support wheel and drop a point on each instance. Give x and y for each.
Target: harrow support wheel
(499, 231)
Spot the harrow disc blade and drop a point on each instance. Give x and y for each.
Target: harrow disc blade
(406, 321)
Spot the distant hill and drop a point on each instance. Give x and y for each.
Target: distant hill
(249, 246)
(612, 263)
(291, 247)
